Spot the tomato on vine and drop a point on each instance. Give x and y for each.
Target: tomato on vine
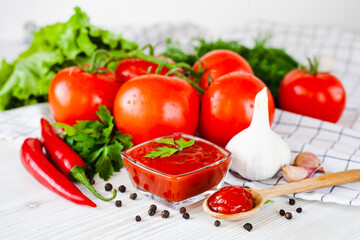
(154, 105)
(228, 106)
(218, 63)
(311, 93)
(75, 93)
(133, 67)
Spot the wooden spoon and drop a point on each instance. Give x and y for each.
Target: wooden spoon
(262, 195)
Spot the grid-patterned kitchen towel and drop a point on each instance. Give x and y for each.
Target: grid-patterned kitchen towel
(337, 145)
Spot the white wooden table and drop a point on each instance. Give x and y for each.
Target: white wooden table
(30, 211)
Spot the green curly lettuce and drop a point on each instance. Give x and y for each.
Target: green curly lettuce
(26, 81)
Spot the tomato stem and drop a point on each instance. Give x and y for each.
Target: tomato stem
(150, 47)
(150, 58)
(172, 71)
(141, 55)
(149, 70)
(314, 65)
(96, 62)
(160, 66)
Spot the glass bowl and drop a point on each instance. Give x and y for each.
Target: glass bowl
(180, 190)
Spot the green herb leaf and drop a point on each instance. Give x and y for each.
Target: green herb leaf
(26, 81)
(182, 143)
(98, 143)
(166, 141)
(162, 152)
(166, 151)
(104, 167)
(268, 201)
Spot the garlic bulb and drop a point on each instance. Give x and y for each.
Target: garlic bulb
(258, 153)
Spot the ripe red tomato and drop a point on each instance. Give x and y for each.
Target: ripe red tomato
(133, 67)
(228, 106)
(218, 63)
(318, 95)
(76, 95)
(152, 105)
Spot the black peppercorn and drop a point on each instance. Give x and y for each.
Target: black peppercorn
(248, 226)
(186, 216)
(118, 203)
(299, 210)
(133, 196)
(217, 223)
(165, 214)
(122, 188)
(182, 210)
(292, 201)
(151, 212)
(282, 212)
(153, 206)
(138, 218)
(92, 181)
(108, 187)
(288, 215)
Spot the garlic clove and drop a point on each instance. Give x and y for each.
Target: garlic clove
(309, 160)
(294, 174)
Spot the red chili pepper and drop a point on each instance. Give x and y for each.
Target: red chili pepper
(36, 163)
(65, 159)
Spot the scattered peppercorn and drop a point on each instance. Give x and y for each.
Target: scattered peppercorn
(288, 215)
(118, 203)
(138, 218)
(186, 216)
(282, 212)
(248, 226)
(292, 201)
(217, 223)
(92, 181)
(151, 212)
(153, 206)
(108, 187)
(165, 214)
(133, 196)
(182, 210)
(299, 210)
(122, 188)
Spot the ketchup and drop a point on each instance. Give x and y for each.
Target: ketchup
(183, 175)
(199, 155)
(230, 200)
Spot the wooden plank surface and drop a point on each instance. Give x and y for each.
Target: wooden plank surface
(30, 211)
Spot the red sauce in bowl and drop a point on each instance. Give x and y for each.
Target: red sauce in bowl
(185, 174)
(230, 200)
(197, 156)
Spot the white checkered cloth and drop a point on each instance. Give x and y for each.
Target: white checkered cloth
(337, 145)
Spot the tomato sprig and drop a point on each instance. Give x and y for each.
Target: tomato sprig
(171, 66)
(314, 65)
(97, 62)
(101, 59)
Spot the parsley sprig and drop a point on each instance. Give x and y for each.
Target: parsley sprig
(179, 145)
(98, 143)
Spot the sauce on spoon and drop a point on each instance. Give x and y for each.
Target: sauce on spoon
(230, 200)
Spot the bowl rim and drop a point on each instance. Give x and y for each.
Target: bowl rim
(223, 150)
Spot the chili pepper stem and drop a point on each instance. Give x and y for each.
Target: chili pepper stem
(78, 173)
